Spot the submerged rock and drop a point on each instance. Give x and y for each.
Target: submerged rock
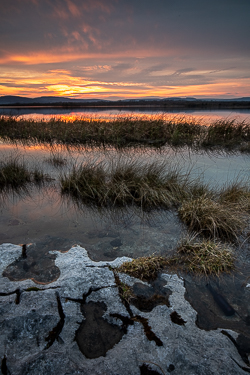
(48, 328)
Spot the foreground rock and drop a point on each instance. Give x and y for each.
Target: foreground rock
(78, 324)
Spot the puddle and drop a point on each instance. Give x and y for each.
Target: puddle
(38, 264)
(95, 335)
(147, 297)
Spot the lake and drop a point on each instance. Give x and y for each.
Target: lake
(42, 215)
(107, 114)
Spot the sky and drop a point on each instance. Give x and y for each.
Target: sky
(115, 49)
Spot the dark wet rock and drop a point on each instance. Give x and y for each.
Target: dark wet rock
(147, 297)
(42, 271)
(38, 264)
(116, 242)
(146, 370)
(221, 301)
(170, 368)
(210, 314)
(14, 222)
(95, 335)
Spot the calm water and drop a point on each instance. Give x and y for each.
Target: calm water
(102, 113)
(43, 215)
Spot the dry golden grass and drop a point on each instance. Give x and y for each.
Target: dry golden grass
(144, 268)
(213, 219)
(237, 193)
(204, 257)
(149, 185)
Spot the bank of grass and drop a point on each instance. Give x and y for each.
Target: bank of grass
(204, 257)
(15, 175)
(122, 132)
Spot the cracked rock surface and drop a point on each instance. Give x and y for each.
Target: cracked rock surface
(78, 324)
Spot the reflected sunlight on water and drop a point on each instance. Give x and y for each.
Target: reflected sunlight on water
(46, 114)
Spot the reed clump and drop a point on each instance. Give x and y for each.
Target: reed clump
(237, 193)
(227, 133)
(86, 183)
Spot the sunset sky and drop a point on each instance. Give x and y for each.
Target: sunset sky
(125, 48)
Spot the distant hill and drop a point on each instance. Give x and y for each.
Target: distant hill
(15, 100)
(170, 102)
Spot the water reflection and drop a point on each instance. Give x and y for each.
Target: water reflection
(110, 114)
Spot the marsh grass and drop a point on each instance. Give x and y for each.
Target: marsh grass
(15, 175)
(122, 132)
(227, 133)
(214, 214)
(238, 193)
(213, 219)
(56, 159)
(151, 185)
(86, 183)
(204, 257)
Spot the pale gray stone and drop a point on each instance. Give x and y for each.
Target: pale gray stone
(25, 327)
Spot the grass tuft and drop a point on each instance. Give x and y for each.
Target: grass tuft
(206, 257)
(237, 193)
(13, 174)
(212, 219)
(144, 268)
(126, 182)
(86, 183)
